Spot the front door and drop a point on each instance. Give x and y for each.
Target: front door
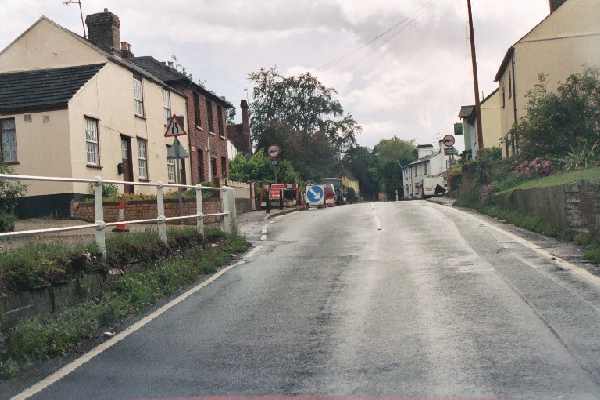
(127, 163)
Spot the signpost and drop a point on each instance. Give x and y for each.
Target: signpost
(177, 152)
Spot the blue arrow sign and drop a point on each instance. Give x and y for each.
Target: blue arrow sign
(314, 194)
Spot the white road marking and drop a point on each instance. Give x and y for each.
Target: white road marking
(532, 246)
(72, 366)
(376, 217)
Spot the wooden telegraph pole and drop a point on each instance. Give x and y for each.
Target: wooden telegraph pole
(475, 79)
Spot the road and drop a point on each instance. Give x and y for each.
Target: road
(407, 299)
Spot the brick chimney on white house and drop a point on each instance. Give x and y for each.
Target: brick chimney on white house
(554, 4)
(104, 30)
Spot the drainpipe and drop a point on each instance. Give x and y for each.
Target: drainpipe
(514, 92)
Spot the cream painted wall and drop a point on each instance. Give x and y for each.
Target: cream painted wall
(491, 121)
(566, 43)
(45, 45)
(43, 150)
(108, 97)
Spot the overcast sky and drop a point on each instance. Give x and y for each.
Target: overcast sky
(410, 82)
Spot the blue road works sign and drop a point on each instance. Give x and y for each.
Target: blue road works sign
(315, 195)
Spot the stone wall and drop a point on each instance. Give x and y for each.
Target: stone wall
(573, 208)
(146, 209)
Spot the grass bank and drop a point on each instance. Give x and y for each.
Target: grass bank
(536, 224)
(137, 286)
(565, 178)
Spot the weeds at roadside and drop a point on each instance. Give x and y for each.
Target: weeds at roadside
(42, 338)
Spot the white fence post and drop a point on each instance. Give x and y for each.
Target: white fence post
(99, 218)
(229, 219)
(199, 211)
(233, 211)
(160, 209)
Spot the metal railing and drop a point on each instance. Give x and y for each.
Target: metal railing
(228, 213)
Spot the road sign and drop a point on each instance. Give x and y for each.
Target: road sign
(275, 191)
(274, 152)
(450, 151)
(449, 141)
(177, 151)
(315, 195)
(175, 127)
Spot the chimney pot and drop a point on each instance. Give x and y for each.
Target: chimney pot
(126, 50)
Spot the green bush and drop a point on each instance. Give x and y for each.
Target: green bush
(10, 193)
(44, 338)
(7, 222)
(35, 266)
(592, 254)
(556, 120)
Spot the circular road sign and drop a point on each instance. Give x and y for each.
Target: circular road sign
(315, 194)
(274, 152)
(449, 140)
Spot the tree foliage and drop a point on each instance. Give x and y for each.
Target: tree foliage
(305, 118)
(380, 169)
(258, 168)
(561, 122)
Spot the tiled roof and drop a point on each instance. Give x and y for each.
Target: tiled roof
(44, 89)
(171, 75)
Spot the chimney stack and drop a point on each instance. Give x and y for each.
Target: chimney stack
(246, 125)
(554, 4)
(104, 30)
(126, 50)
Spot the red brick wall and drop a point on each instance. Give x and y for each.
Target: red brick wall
(199, 137)
(135, 210)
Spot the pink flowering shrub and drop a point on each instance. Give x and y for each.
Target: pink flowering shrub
(536, 167)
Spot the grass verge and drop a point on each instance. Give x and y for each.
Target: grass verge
(42, 338)
(538, 225)
(592, 175)
(522, 220)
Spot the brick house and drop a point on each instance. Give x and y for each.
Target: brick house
(206, 115)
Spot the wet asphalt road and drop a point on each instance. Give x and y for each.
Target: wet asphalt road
(401, 299)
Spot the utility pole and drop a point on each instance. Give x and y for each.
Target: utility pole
(475, 79)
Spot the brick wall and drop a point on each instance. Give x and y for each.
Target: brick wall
(146, 209)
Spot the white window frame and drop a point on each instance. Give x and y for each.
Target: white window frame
(171, 168)
(166, 96)
(142, 158)
(8, 137)
(92, 141)
(138, 96)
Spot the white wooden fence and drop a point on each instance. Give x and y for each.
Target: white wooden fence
(228, 213)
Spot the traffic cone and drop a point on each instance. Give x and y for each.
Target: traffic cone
(121, 227)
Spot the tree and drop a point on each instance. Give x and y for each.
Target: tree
(258, 169)
(392, 154)
(305, 118)
(561, 122)
(362, 164)
(396, 150)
